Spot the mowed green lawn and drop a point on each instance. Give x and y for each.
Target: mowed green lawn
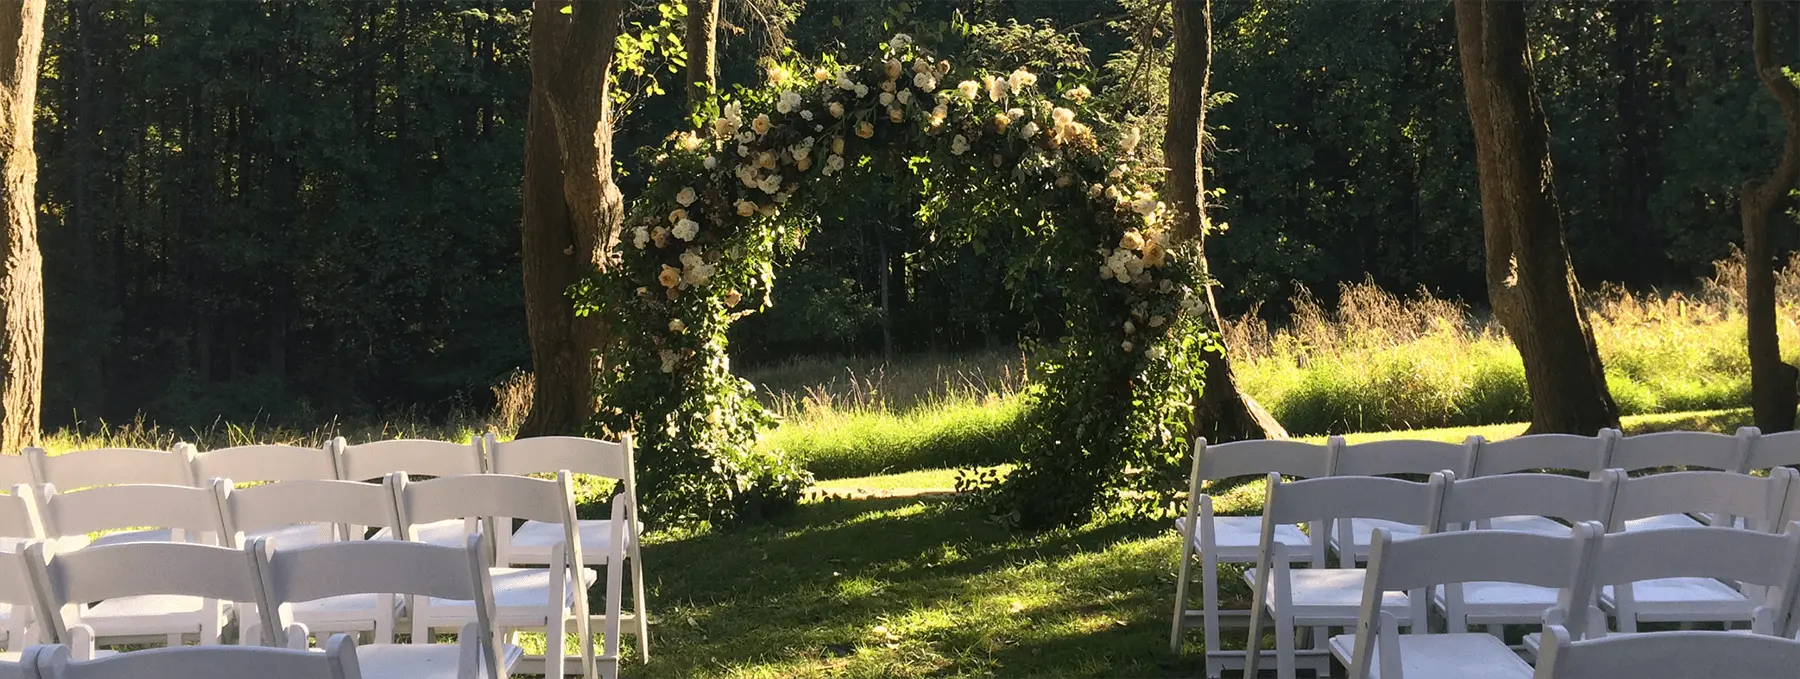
(868, 578)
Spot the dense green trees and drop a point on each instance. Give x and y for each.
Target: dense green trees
(282, 209)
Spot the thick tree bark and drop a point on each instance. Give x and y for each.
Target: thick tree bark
(702, 46)
(1530, 281)
(573, 211)
(1224, 412)
(22, 281)
(1774, 386)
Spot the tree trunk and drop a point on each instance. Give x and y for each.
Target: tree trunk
(573, 211)
(1224, 412)
(1530, 281)
(22, 281)
(1774, 393)
(702, 47)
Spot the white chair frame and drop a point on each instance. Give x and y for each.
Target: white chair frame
(1383, 458)
(126, 579)
(207, 662)
(1667, 655)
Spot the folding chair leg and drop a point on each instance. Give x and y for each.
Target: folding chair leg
(1181, 596)
(1285, 656)
(556, 648)
(637, 604)
(1209, 593)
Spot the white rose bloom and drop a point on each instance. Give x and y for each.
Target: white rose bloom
(1015, 113)
(899, 40)
(770, 184)
(675, 325)
(921, 66)
(806, 115)
(686, 197)
(1062, 116)
(1129, 327)
(885, 98)
(743, 151)
(746, 136)
(837, 110)
(734, 111)
(958, 145)
(1020, 78)
(844, 82)
(1028, 130)
(1154, 353)
(905, 96)
(641, 238)
(925, 82)
(833, 164)
(686, 229)
(789, 101)
(782, 197)
(862, 90)
(1157, 321)
(996, 88)
(1126, 345)
(712, 162)
(968, 89)
(1130, 141)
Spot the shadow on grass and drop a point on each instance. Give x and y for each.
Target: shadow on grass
(913, 587)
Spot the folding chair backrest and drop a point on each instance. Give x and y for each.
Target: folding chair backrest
(1761, 501)
(19, 514)
(549, 454)
(1775, 450)
(1746, 556)
(26, 667)
(1554, 495)
(265, 463)
(17, 469)
(368, 461)
(111, 467)
(270, 505)
(1680, 449)
(210, 662)
(1536, 452)
(1262, 456)
(1479, 556)
(1667, 655)
(482, 495)
(131, 506)
(1406, 456)
(138, 568)
(1354, 497)
(379, 567)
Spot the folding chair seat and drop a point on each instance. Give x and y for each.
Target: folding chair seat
(1320, 597)
(547, 598)
(1678, 451)
(205, 662)
(412, 569)
(417, 457)
(304, 510)
(1472, 501)
(1667, 655)
(533, 542)
(1387, 458)
(146, 591)
(1447, 559)
(267, 464)
(92, 469)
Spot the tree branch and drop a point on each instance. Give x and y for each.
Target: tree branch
(1786, 95)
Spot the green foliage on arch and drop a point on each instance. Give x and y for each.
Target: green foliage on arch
(988, 151)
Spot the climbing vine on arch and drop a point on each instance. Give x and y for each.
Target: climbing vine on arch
(989, 151)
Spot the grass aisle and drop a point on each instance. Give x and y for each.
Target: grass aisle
(912, 587)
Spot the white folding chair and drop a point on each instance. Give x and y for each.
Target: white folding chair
(1668, 655)
(1328, 597)
(1234, 539)
(131, 513)
(392, 567)
(1385, 458)
(18, 601)
(1674, 575)
(26, 667)
(531, 544)
(265, 463)
(417, 457)
(1472, 501)
(294, 514)
(1768, 451)
(524, 598)
(1539, 453)
(99, 467)
(18, 469)
(1678, 450)
(19, 519)
(208, 662)
(145, 592)
(1449, 559)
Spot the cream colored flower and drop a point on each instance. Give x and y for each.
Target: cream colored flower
(770, 184)
(733, 297)
(723, 127)
(1079, 93)
(760, 124)
(1157, 321)
(767, 210)
(641, 238)
(837, 145)
(1061, 116)
(659, 236)
(787, 102)
(1132, 240)
(861, 90)
(959, 145)
(687, 196)
(888, 86)
(968, 89)
(920, 65)
(712, 162)
(1020, 79)
(905, 96)
(806, 115)
(899, 40)
(677, 216)
(1015, 113)
(865, 130)
(675, 325)
(670, 276)
(743, 151)
(894, 68)
(821, 74)
(925, 82)
(938, 114)
(745, 208)
(837, 110)
(1028, 130)
(1129, 142)
(1126, 345)
(778, 74)
(833, 164)
(996, 87)
(896, 114)
(1154, 353)
(686, 229)
(766, 160)
(1001, 120)
(803, 163)
(1129, 328)
(943, 67)
(844, 82)
(688, 141)
(886, 99)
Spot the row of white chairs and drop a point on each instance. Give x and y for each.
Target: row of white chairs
(310, 512)
(1209, 540)
(1583, 567)
(276, 580)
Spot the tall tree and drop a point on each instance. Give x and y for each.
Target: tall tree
(573, 210)
(1224, 412)
(1530, 281)
(702, 40)
(1774, 385)
(22, 281)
